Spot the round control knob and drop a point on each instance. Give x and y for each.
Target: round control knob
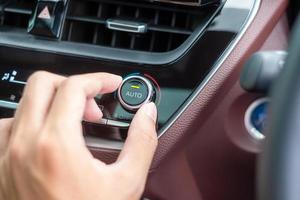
(134, 92)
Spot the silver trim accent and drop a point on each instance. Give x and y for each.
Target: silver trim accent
(148, 98)
(253, 132)
(102, 121)
(111, 123)
(118, 124)
(8, 104)
(126, 26)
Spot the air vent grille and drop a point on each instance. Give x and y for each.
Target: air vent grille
(16, 13)
(168, 26)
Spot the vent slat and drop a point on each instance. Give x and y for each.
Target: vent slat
(70, 31)
(137, 13)
(132, 42)
(167, 28)
(173, 23)
(18, 10)
(170, 39)
(156, 17)
(94, 20)
(150, 27)
(153, 6)
(16, 13)
(152, 41)
(113, 39)
(99, 13)
(96, 32)
(187, 22)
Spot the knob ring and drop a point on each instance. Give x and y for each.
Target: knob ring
(148, 98)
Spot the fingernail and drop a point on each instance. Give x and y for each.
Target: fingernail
(150, 110)
(119, 77)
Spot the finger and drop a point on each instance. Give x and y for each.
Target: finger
(92, 111)
(36, 100)
(141, 142)
(72, 96)
(5, 130)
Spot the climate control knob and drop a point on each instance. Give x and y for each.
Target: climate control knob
(135, 91)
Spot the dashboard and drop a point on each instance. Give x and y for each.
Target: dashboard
(185, 58)
(175, 71)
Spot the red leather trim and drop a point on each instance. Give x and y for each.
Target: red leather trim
(207, 153)
(196, 114)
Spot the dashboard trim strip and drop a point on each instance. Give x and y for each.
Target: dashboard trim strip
(8, 104)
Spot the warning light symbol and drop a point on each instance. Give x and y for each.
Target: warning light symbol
(45, 14)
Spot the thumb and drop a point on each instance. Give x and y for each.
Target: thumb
(141, 142)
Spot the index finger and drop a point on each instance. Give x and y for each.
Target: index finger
(69, 103)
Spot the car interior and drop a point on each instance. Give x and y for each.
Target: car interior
(222, 73)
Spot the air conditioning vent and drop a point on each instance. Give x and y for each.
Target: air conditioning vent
(16, 13)
(164, 27)
(167, 26)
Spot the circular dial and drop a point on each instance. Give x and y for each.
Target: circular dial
(135, 91)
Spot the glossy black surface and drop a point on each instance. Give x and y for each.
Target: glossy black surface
(47, 19)
(177, 80)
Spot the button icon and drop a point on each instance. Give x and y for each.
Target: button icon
(45, 14)
(5, 76)
(11, 77)
(12, 97)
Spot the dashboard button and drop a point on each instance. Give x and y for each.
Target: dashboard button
(135, 91)
(47, 19)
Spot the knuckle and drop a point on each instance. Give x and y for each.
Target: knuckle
(44, 146)
(37, 77)
(45, 152)
(16, 153)
(71, 82)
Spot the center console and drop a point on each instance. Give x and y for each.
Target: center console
(165, 52)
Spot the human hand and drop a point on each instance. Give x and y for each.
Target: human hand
(43, 153)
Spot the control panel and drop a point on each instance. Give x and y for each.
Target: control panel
(170, 79)
(118, 108)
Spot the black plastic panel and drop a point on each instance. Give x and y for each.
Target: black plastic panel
(177, 80)
(85, 34)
